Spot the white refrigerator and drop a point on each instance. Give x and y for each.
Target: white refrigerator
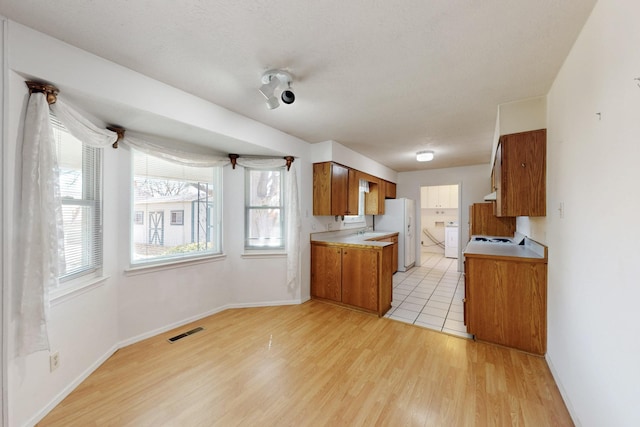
(400, 215)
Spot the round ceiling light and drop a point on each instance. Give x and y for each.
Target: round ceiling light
(424, 156)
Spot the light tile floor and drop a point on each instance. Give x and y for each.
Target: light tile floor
(430, 295)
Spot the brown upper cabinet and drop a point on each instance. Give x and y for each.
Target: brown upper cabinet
(482, 222)
(389, 190)
(336, 190)
(519, 174)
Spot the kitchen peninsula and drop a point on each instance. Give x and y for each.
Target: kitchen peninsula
(354, 268)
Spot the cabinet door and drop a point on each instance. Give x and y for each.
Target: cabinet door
(484, 222)
(522, 175)
(394, 252)
(360, 278)
(433, 197)
(373, 202)
(443, 196)
(394, 266)
(453, 196)
(326, 272)
(390, 190)
(322, 188)
(506, 303)
(339, 189)
(354, 192)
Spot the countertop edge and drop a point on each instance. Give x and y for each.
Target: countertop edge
(356, 240)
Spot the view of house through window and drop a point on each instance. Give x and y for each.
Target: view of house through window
(80, 189)
(264, 205)
(176, 210)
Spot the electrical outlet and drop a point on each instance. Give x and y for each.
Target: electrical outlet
(54, 361)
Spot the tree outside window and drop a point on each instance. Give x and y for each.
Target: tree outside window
(264, 206)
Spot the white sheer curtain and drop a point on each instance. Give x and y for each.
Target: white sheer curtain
(172, 155)
(80, 127)
(39, 232)
(39, 252)
(292, 215)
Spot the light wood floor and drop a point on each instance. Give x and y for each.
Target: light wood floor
(313, 365)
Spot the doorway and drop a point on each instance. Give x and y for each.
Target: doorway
(440, 220)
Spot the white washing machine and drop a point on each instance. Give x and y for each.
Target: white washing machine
(451, 240)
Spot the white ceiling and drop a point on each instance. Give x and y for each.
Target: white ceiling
(384, 78)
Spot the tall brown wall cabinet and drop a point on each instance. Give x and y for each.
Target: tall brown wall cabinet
(519, 174)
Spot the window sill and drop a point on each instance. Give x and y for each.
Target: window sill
(152, 268)
(64, 294)
(263, 254)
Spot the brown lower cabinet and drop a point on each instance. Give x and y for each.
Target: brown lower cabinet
(355, 276)
(393, 239)
(506, 301)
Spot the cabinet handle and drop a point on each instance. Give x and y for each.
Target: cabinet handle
(523, 165)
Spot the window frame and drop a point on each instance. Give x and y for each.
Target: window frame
(248, 208)
(92, 198)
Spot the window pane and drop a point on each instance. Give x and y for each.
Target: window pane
(181, 210)
(265, 228)
(264, 187)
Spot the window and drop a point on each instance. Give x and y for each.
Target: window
(139, 218)
(184, 193)
(177, 217)
(264, 208)
(80, 189)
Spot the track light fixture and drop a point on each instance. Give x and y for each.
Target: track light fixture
(274, 80)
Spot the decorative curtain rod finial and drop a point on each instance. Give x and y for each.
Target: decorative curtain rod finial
(120, 131)
(50, 91)
(289, 160)
(234, 159)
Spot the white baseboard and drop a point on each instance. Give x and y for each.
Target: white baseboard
(71, 386)
(266, 303)
(197, 317)
(563, 391)
(171, 326)
(75, 383)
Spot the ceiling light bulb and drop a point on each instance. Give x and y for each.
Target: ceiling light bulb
(272, 103)
(424, 156)
(267, 89)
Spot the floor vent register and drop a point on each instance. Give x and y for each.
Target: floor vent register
(185, 334)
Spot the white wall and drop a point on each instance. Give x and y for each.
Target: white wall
(473, 184)
(86, 328)
(593, 344)
(3, 224)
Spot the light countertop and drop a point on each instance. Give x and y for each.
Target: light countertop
(531, 250)
(365, 239)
